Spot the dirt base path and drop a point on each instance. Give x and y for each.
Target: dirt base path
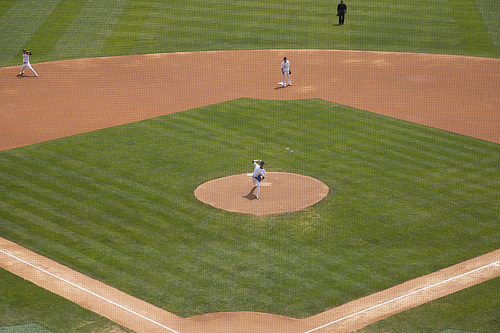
(458, 94)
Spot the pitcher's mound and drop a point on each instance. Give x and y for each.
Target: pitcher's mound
(280, 192)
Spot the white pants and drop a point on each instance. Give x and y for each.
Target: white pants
(256, 182)
(27, 64)
(286, 74)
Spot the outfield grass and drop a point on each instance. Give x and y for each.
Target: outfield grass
(63, 29)
(118, 205)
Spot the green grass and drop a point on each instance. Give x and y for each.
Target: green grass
(63, 29)
(490, 12)
(118, 205)
(24, 328)
(22, 302)
(460, 311)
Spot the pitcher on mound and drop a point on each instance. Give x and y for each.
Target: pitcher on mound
(285, 69)
(259, 174)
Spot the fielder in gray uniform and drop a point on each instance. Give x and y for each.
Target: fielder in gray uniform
(26, 62)
(259, 174)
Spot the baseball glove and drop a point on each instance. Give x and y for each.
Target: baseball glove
(259, 178)
(289, 72)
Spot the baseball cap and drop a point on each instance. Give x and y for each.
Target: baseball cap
(262, 162)
(284, 58)
(24, 50)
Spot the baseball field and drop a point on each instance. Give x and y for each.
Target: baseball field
(103, 151)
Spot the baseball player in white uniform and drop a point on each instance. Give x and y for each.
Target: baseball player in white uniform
(26, 62)
(285, 69)
(259, 174)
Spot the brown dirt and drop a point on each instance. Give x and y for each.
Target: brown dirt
(458, 94)
(280, 192)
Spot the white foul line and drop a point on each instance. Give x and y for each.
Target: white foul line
(88, 291)
(314, 329)
(401, 297)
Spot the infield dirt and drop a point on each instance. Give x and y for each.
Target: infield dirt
(457, 94)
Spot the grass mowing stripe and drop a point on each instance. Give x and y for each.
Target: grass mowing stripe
(5, 6)
(473, 33)
(141, 31)
(91, 261)
(232, 30)
(136, 26)
(125, 195)
(443, 313)
(35, 304)
(401, 146)
(490, 12)
(126, 37)
(85, 249)
(88, 32)
(49, 217)
(95, 201)
(89, 226)
(17, 31)
(55, 26)
(409, 155)
(67, 189)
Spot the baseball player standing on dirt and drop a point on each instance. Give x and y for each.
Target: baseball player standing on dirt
(285, 69)
(26, 62)
(259, 174)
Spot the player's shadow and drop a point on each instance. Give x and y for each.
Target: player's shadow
(251, 195)
(22, 76)
(280, 87)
